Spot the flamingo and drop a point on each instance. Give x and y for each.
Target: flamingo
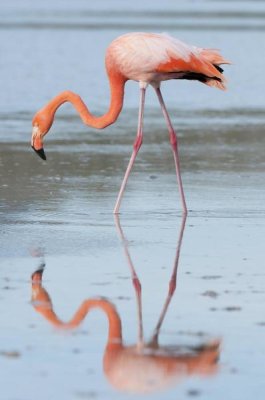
(136, 369)
(144, 367)
(149, 59)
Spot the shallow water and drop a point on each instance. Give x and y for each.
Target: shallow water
(58, 215)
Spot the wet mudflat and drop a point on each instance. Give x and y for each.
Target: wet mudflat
(71, 273)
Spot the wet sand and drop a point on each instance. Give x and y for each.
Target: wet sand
(58, 216)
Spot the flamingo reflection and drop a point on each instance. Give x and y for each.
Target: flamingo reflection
(147, 366)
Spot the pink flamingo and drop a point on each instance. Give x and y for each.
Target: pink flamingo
(147, 58)
(141, 367)
(146, 366)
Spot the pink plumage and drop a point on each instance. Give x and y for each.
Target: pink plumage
(152, 58)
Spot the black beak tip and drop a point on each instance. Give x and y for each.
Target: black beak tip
(40, 153)
(38, 273)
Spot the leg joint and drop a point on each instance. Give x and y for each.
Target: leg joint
(173, 140)
(138, 142)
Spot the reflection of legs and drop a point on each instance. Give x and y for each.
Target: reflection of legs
(136, 147)
(136, 283)
(174, 145)
(172, 284)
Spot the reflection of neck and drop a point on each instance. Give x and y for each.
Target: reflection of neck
(115, 332)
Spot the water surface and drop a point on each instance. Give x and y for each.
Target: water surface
(58, 215)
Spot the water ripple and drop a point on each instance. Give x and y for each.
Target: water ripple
(202, 20)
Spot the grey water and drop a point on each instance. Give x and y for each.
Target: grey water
(57, 215)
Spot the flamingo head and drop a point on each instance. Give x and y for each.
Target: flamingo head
(41, 124)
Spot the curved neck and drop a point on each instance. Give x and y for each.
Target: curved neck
(115, 331)
(116, 81)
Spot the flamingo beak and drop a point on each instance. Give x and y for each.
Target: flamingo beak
(37, 275)
(36, 143)
(40, 153)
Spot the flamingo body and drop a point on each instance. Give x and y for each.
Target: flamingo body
(147, 58)
(150, 58)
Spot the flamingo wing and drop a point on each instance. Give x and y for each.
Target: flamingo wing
(150, 56)
(194, 62)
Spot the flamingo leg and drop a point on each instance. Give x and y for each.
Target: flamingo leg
(136, 283)
(172, 283)
(136, 147)
(174, 145)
